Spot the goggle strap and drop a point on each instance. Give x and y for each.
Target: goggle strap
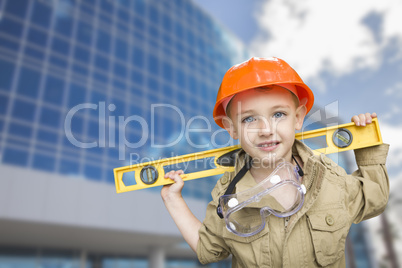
(233, 183)
(299, 169)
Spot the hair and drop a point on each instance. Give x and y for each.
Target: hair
(265, 89)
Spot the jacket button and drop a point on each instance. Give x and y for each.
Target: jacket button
(224, 180)
(330, 220)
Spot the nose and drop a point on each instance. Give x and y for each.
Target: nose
(264, 127)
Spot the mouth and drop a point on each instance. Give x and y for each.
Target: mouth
(268, 146)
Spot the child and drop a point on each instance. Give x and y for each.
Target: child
(262, 102)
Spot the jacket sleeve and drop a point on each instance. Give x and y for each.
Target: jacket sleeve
(211, 246)
(369, 189)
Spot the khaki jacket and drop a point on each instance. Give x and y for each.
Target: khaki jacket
(314, 236)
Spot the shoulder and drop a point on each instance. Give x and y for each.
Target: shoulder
(221, 185)
(331, 166)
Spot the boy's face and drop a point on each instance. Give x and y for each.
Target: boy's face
(265, 120)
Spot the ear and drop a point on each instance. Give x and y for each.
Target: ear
(300, 114)
(229, 126)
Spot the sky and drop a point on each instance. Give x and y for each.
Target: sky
(348, 52)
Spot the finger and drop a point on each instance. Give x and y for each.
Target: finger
(373, 115)
(179, 172)
(356, 120)
(368, 118)
(362, 119)
(174, 175)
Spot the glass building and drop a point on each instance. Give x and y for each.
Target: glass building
(90, 85)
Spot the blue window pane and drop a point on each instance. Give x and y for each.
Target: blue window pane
(50, 117)
(3, 104)
(153, 64)
(60, 46)
(168, 90)
(47, 136)
(81, 54)
(93, 172)
(41, 14)
(153, 84)
(113, 153)
(107, 6)
(9, 44)
(120, 70)
(122, 28)
(103, 42)
(77, 125)
(110, 177)
(139, 7)
(100, 77)
(166, 23)
(69, 147)
(35, 53)
(179, 31)
(43, 162)
(153, 31)
(93, 130)
(80, 69)
(24, 110)
(88, 12)
(123, 15)
(54, 88)
(60, 62)
(138, 57)
(121, 49)
(119, 84)
(37, 37)
(106, 19)
(10, 27)
(77, 95)
(64, 26)
(91, 2)
(120, 107)
(102, 62)
(139, 25)
(97, 97)
(181, 78)
(28, 83)
(137, 77)
(15, 156)
(6, 74)
(17, 8)
(19, 130)
(167, 71)
(153, 14)
(84, 33)
(69, 167)
(125, 3)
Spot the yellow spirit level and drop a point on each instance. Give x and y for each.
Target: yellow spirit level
(338, 138)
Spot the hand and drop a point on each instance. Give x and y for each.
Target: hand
(363, 119)
(173, 190)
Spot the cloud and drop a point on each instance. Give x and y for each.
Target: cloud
(392, 135)
(339, 37)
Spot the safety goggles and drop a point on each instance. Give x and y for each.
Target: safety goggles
(280, 194)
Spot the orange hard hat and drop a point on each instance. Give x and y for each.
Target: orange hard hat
(258, 72)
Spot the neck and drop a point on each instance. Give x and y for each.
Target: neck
(261, 170)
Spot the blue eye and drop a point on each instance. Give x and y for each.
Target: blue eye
(248, 119)
(279, 115)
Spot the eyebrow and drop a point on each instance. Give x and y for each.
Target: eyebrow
(250, 111)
